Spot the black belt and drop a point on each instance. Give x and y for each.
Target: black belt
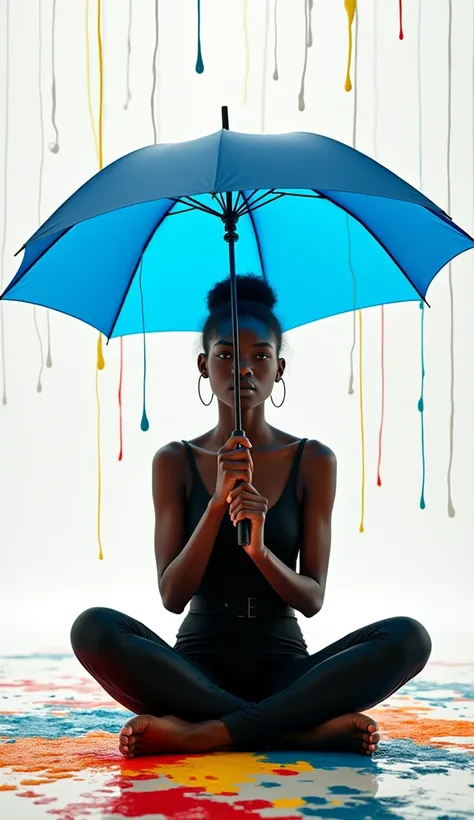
(239, 607)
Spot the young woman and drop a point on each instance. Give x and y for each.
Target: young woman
(239, 675)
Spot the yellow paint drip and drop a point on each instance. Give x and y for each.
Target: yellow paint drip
(350, 7)
(98, 144)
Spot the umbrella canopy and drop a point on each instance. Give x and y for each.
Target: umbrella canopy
(139, 245)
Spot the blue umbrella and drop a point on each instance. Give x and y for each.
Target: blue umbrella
(330, 229)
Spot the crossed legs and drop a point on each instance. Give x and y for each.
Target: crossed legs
(315, 701)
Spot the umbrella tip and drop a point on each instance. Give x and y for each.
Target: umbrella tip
(225, 117)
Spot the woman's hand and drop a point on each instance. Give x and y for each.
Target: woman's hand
(232, 466)
(245, 502)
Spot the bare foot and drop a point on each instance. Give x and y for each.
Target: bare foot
(149, 735)
(356, 733)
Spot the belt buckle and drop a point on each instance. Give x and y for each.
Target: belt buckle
(248, 607)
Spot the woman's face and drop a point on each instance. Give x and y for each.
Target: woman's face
(259, 364)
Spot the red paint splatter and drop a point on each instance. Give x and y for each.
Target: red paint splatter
(400, 14)
(285, 772)
(174, 804)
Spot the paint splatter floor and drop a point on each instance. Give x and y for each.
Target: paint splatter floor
(59, 758)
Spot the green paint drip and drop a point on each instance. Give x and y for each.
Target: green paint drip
(421, 406)
(199, 60)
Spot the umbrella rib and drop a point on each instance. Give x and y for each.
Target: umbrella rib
(14, 281)
(236, 203)
(244, 209)
(257, 240)
(198, 205)
(379, 242)
(262, 204)
(183, 211)
(305, 196)
(221, 200)
(152, 233)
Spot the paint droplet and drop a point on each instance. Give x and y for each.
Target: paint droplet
(301, 103)
(422, 503)
(54, 147)
(199, 60)
(145, 425)
(39, 387)
(100, 355)
(379, 481)
(451, 510)
(49, 361)
(350, 7)
(421, 406)
(361, 528)
(276, 75)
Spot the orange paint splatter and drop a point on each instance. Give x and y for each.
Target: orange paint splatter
(397, 723)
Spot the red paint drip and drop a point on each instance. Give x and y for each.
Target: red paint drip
(120, 400)
(400, 14)
(382, 408)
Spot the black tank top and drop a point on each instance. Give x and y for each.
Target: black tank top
(230, 571)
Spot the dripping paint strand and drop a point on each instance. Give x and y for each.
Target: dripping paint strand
(199, 60)
(153, 71)
(350, 7)
(421, 402)
(54, 146)
(247, 52)
(39, 384)
(275, 49)
(5, 195)
(129, 55)
(451, 510)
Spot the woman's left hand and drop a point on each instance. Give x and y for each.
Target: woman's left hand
(245, 502)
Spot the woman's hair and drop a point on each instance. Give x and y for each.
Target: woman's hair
(254, 298)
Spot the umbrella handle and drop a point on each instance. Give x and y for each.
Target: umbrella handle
(243, 533)
(243, 527)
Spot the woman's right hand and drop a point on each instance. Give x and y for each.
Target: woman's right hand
(233, 465)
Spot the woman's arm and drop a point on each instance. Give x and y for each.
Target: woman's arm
(180, 565)
(304, 590)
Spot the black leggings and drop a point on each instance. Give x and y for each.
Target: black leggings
(147, 676)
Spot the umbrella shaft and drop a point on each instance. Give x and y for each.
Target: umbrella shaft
(231, 236)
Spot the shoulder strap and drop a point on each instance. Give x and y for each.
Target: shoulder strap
(191, 460)
(297, 460)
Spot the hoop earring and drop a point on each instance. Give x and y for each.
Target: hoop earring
(206, 404)
(284, 395)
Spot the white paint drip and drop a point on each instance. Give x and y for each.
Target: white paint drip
(53, 146)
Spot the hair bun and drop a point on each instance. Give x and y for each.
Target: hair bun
(250, 288)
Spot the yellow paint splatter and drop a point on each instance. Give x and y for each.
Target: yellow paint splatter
(350, 7)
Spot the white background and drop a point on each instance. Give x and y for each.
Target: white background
(408, 561)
